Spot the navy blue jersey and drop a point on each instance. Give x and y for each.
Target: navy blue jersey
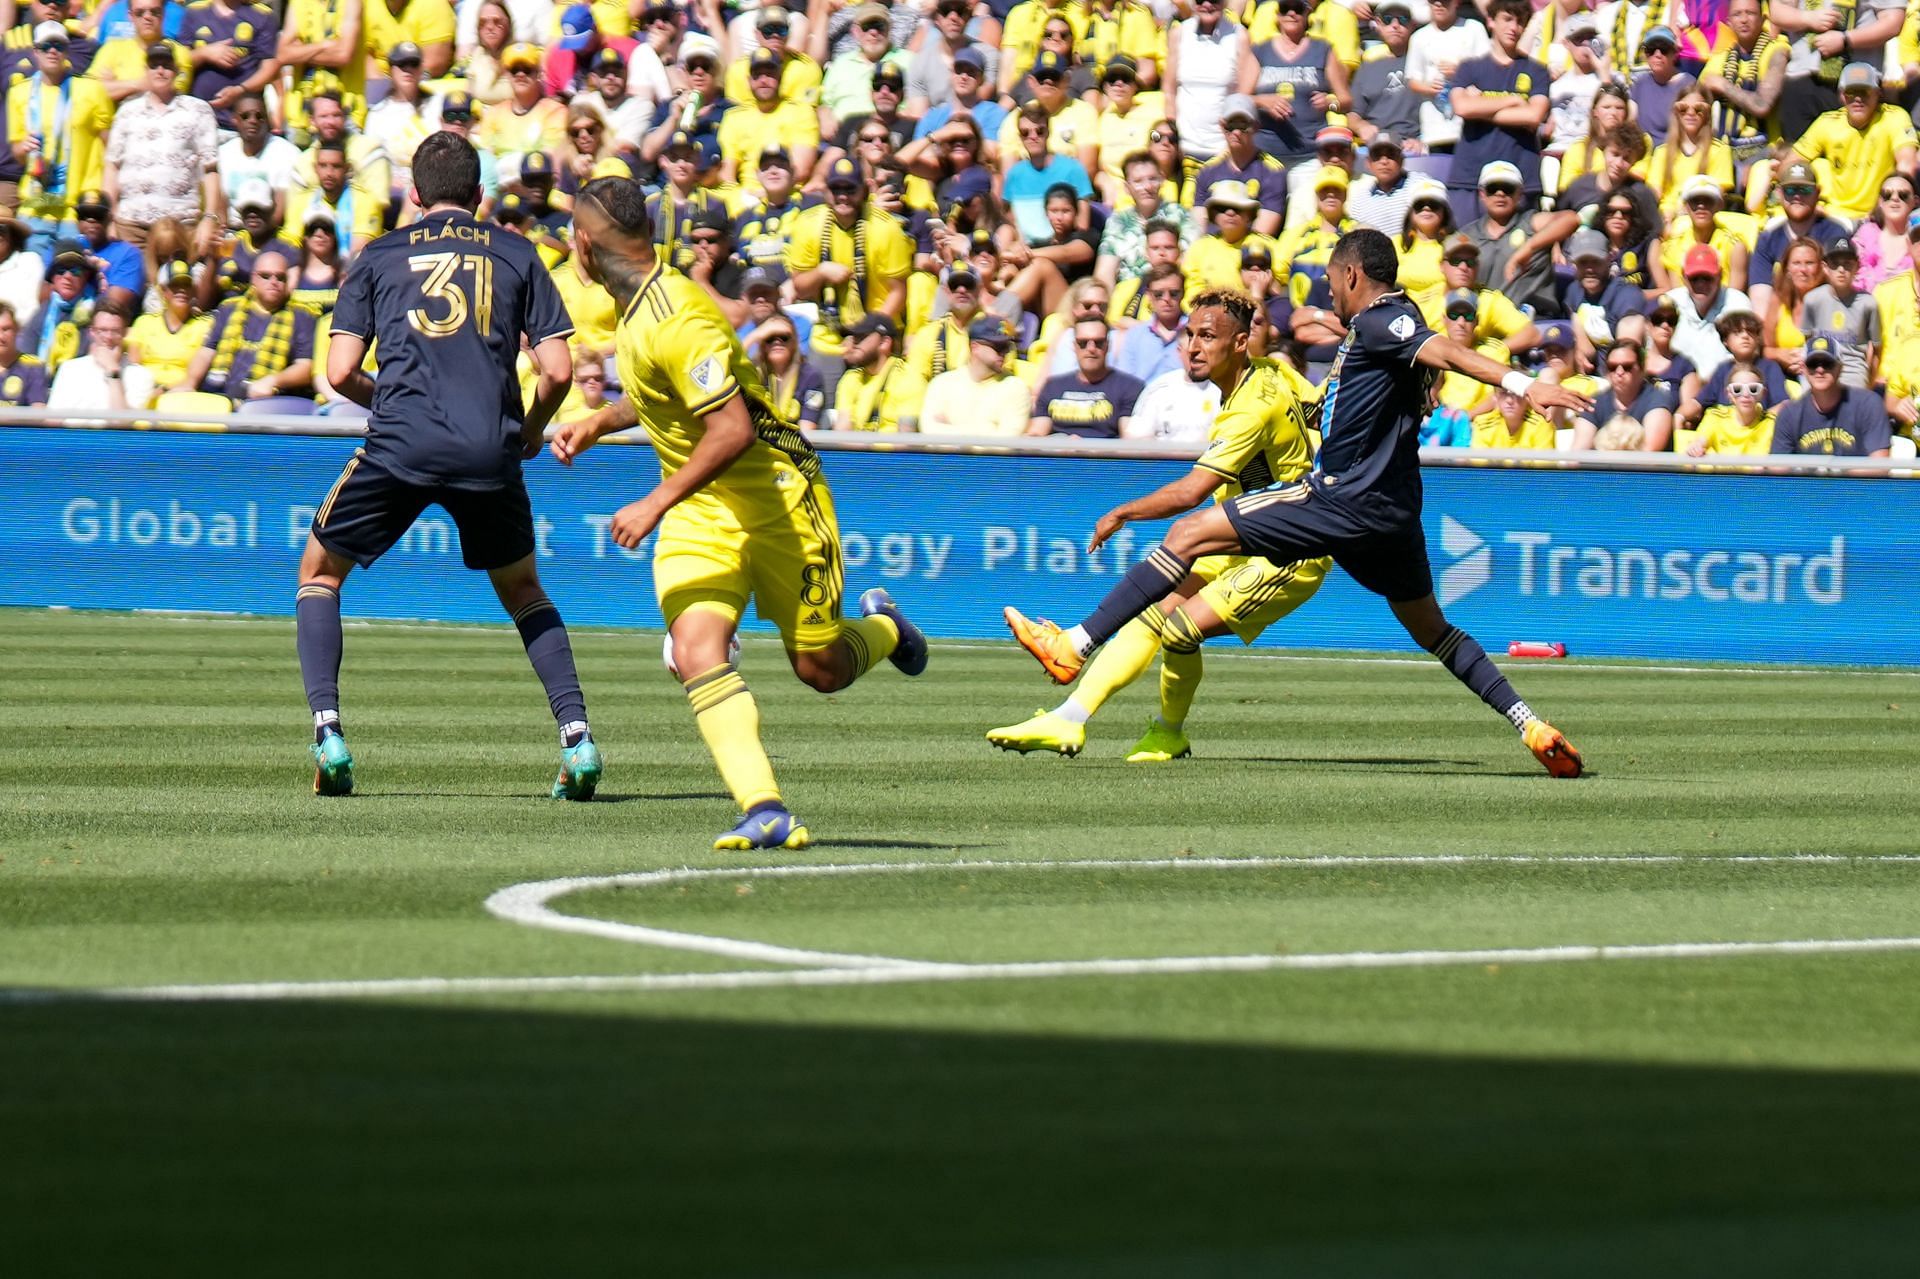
(446, 300)
(1482, 141)
(1374, 401)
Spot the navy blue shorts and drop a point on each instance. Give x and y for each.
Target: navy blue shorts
(368, 510)
(1298, 523)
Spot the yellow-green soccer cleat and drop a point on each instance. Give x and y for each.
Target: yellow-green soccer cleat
(1044, 732)
(1159, 745)
(768, 828)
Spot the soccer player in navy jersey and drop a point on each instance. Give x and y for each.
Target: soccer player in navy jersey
(448, 299)
(1361, 502)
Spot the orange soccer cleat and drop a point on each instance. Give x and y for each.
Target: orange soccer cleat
(1552, 749)
(1048, 644)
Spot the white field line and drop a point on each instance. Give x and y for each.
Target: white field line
(898, 974)
(528, 904)
(970, 646)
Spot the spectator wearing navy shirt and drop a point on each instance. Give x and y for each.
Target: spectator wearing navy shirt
(1629, 394)
(1831, 418)
(1095, 400)
(1501, 102)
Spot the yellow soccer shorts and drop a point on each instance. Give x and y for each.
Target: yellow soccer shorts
(717, 552)
(1250, 594)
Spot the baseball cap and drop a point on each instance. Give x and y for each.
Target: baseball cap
(969, 183)
(706, 151)
(1232, 194)
(1253, 255)
(757, 278)
(1837, 248)
(1586, 243)
(994, 330)
(961, 275)
(1460, 246)
(457, 106)
(765, 59)
(1556, 333)
(1383, 140)
(536, 164)
(511, 209)
(1699, 187)
(175, 271)
(1500, 171)
(160, 54)
(1426, 188)
(871, 10)
(254, 194)
(1330, 176)
(1583, 20)
(681, 141)
(1798, 173)
(1049, 64)
(1859, 75)
(843, 173)
(1701, 259)
(406, 53)
(319, 215)
(889, 73)
(1120, 67)
(576, 28)
(712, 217)
(69, 253)
(1237, 106)
(982, 241)
(970, 57)
(695, 47)
(776, 156)
(1821, 348)
(1332, 134)
(93, 201)
(1660, 35)
(1463, 300)
(50, 33)
(520, 55)
(874, 322)
(772, 15)
(608, 60)
(1403, 6)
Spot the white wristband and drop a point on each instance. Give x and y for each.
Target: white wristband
(1516, 383)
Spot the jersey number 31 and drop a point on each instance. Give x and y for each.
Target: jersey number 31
(443, 285)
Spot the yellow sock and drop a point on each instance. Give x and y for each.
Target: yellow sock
(1180, 675)
(729, 721)
(1124, 660)
(868, 641)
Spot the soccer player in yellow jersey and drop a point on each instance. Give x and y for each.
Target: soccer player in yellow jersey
(1258, 439)
(742, 508)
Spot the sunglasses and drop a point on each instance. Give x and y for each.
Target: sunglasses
(585, 130)
(1163, 293)
(1799, 192)
(1663, 321)
(1628, 367)
(1702, 202)
(1162, 135)
(1033, 133)
(1427, 206)
(50, 46)
(589, 377)
(778, 339)
(1694, 109)
(1059, 35)
(1822, 364)
(1392, 20)
(867, 138)
(1902, 195)
(276, 277)
(1046, 77)
(875, 24)
(1620, 213)
(1090, 344)
(1236, 125)
(1466, 316)
(773, 33)
(1747, 390)
(708, 239)
(1500, 188)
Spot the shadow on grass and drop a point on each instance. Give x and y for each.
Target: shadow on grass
(357, 1139)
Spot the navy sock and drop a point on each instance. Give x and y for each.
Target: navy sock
(545, 636)
(1144, 584)
(316, 612)
(1460, 653)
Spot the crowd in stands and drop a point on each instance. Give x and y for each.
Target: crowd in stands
(988, 218)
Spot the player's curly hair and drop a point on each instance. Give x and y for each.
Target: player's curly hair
(624, 201)
(1370, 250)
(1238, 306)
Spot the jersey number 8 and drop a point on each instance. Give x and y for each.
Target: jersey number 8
(442, 286)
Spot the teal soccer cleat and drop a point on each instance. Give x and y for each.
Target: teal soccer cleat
(332, 766)
(910, 654)
(579, 771)
(768, 828)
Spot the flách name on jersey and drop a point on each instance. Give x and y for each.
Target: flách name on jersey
(427, 232)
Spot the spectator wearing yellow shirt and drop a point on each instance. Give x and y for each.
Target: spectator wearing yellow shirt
(528, 120)
(849, 257)
(58, 122)
(799, 74)
(1313, 243)
(1020, 36)
(1513, 424)
(595, 315)
(942, 344)
(1463, 395)
(371, 174)
(121, 65)
(1123, 28)
(427, 23)
(164, 342)
(1073, 127)
(1744, 426)
(1213, 261)
(1859, 145)
(982, 397)
(1125, 124)
(767, 120)
(1690, 151)
(322, 45)
(357, 215)
(879, 391)
(1702, 200)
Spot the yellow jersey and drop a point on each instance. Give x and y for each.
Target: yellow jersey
(126, 60)
(1120, 136)
(1490, 431)
(1020, 36)
(424, 22)
(880, 254)
(679, 360)
(879, 401)
(1675, 244)
(1128, 28)
(595, 314)
(1721, 432)
(1853, 162)
(799, 82)
(88, 112)
(1073, 126)
(166, 351)
(745, 131)
(1259, 437)
(1458, 391)
(315, 22)
(937, 347)
(1899, 322)
(1715, 162)
(1212, 263)
(1423, 280)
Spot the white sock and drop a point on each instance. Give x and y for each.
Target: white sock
(1073, 712)
(1082, 642)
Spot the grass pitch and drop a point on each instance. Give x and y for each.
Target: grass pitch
(1753, 1115)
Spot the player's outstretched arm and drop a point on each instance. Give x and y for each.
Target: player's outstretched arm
(1176, 498)
(1441, 352)
(573, 438)
(554, 359)
(728, 434)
